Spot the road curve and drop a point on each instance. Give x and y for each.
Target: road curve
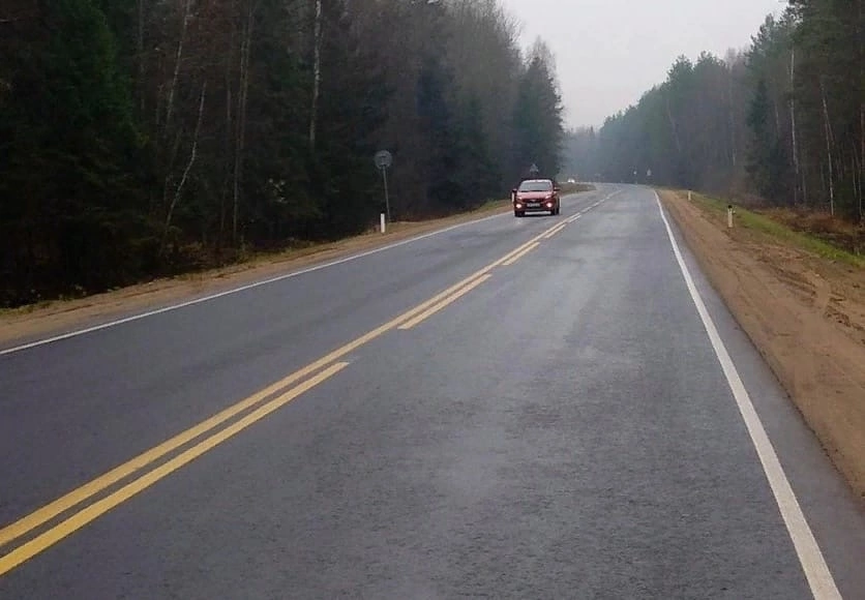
(511, 408)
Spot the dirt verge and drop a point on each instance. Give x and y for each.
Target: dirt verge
(806, 315)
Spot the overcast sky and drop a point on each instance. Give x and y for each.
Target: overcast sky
(608, 52)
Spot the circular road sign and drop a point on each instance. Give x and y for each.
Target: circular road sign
(383, 159)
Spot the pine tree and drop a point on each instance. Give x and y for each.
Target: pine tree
(538, 119)
(67, 146)
(438, 126)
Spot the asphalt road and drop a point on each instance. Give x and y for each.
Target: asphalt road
(499, 410)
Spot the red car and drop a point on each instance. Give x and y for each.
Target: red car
(536, 194)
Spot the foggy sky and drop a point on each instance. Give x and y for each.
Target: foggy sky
(608, 52)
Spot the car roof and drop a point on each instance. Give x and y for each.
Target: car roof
(537, 181)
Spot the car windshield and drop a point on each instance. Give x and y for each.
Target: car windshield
(536, 186)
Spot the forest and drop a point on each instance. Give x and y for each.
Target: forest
(145, 138)
(781, 122)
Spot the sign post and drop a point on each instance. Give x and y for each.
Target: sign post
(383, 160)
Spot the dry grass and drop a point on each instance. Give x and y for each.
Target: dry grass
(843, 234)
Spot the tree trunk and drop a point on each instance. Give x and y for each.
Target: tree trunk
(227, 144)
(192, 155)
(732, 115)
(828, 131)
(240, 140)
(777, 120)
(316, 83)
(859, 171)
(169, 109)
(857, 183)
(794, 143)
(861, 35)
(674, 128)
(169, 167)
(140, 57)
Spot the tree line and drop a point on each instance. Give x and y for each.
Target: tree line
(783, 120)
(149, 137)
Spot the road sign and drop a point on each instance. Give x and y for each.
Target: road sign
(383, 159)
(534, 170)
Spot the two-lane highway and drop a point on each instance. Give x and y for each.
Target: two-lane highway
(510, 408)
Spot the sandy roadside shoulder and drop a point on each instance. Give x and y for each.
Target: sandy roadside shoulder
(804, 313)
(55, 318)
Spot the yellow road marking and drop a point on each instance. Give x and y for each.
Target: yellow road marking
(75, 497)
(95, 510)
(520, 250)
(555, 230)
(510, 254)
(449, 300)
(514, 259)
(64, 503)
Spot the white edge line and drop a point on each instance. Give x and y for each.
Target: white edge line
(813, 563)
(165, 309)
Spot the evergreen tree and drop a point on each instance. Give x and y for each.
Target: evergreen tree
(538, 119)
(766, 160)
(438, 126)
(67, 147)
(477, 172)
(345, 181)
(146, 138)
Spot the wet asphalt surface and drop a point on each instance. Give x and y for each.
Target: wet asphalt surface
(563, 430)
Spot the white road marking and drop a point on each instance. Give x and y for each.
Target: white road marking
(592, 206)
(810, 557)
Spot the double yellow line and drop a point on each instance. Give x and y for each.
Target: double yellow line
(91, 512)
(213, 431)
(479, 277)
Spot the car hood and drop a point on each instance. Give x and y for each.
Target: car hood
(534, 195)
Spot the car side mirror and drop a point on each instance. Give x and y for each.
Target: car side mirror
(557, 189)
(514, 191)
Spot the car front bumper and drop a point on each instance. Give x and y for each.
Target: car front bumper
(529, 205)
